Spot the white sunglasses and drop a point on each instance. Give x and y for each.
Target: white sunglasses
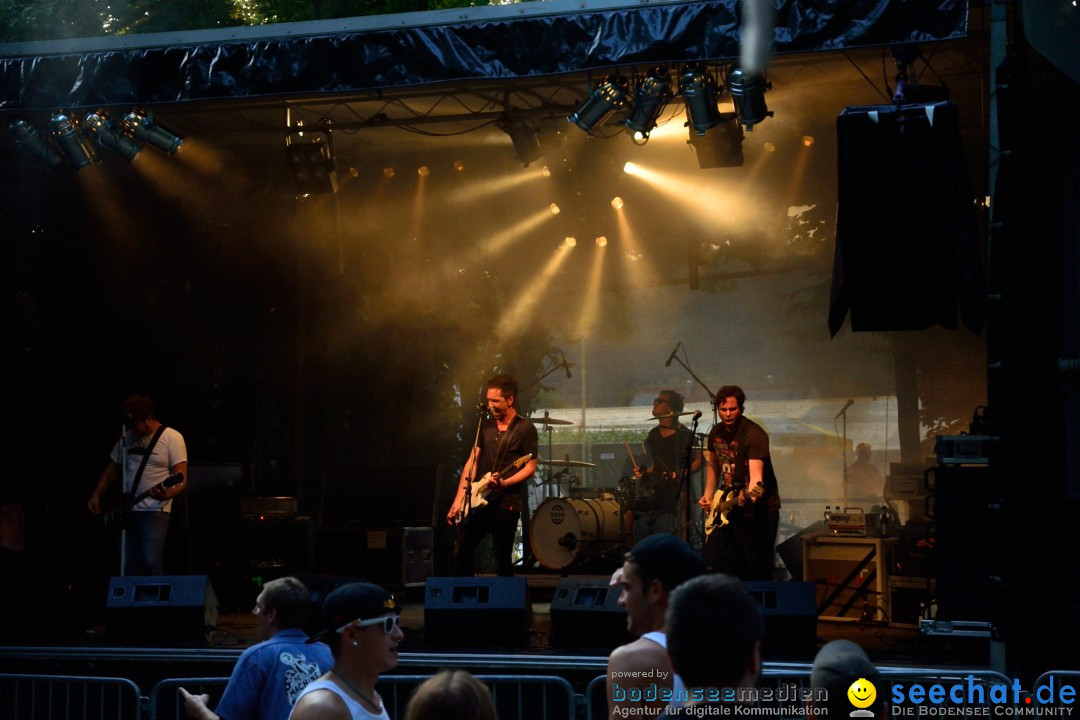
(389, 622)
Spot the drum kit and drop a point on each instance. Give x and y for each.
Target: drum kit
(582, 527)
(587, 528)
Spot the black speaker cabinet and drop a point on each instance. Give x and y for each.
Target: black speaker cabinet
(469, 612)
(790, 618)
(160, 609)
(585, 612)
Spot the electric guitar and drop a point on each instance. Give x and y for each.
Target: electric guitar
(116, 514)
(722, 502)
(479, 489)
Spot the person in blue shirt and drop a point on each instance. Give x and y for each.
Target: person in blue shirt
(269, 676)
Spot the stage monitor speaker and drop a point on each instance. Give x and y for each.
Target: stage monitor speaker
(585, 612)
(790, 618)
(482, 611)
(142, 609)
(791, 550)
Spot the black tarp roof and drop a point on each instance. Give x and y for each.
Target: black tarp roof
(523, 40)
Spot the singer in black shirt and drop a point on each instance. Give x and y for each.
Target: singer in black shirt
(507, 446)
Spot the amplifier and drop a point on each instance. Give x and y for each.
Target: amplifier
(963, 449)
(847, 523)
(268, 508)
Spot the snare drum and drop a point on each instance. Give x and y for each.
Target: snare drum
(564, 530)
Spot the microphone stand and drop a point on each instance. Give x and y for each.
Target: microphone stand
(124, 492)
(475, 452)
(712, 397)
(684, 475)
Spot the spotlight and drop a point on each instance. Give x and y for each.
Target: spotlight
(554, 208)
(700, 92)
(140, 125)
(545, 171)
(570, 241)
(720, 148)
(601, 241)
(807, 140)
(99, 127)
(617, 202)
(74, 146)
(423, 171)
(28, 138)
(610, 94)
(526, 140)
(651, 97)
(388, 172)
(311, 159)
(459, 166)
(748, 93)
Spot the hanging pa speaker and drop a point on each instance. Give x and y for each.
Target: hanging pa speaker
(160, 609)
(470, 612)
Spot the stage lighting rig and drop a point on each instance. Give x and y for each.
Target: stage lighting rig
(311, 159)
(748, 93)
(700, 92)
(652, 95)
(526, 140)
(140, 125)
(101, 129)
(29, 139)
(609, 95)
(74, 146)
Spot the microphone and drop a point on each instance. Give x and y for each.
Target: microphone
(566, 365)
(844, 409)
(481, 408)
(697, 416)
(672, 355)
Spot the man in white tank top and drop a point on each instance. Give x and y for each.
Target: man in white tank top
(360, 624)
(640, 681)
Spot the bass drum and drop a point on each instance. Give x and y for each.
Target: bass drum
(568, 529)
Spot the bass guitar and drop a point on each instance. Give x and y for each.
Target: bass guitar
(722, 502)
(115, 515)
(480, 489)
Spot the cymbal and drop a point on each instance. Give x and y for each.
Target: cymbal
(546, 420)
(567, 463)
(671, 415)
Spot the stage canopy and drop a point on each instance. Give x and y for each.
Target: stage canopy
(503, 42)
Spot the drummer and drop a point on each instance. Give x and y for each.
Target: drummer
(656, 493)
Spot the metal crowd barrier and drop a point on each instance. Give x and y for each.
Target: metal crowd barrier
(517, 697)
(520, 697)
(1047, 691)
(68, 697)
(165, 702)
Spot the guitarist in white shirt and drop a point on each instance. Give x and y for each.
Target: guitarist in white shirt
(503, 459)
(741, 540)
(163, 478)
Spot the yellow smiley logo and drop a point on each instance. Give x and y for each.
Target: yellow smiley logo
(862, 693)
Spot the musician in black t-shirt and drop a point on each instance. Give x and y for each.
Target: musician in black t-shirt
(507, 450)
(741, 540)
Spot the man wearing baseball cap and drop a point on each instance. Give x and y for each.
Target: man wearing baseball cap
(837, 666)
(360, 624)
